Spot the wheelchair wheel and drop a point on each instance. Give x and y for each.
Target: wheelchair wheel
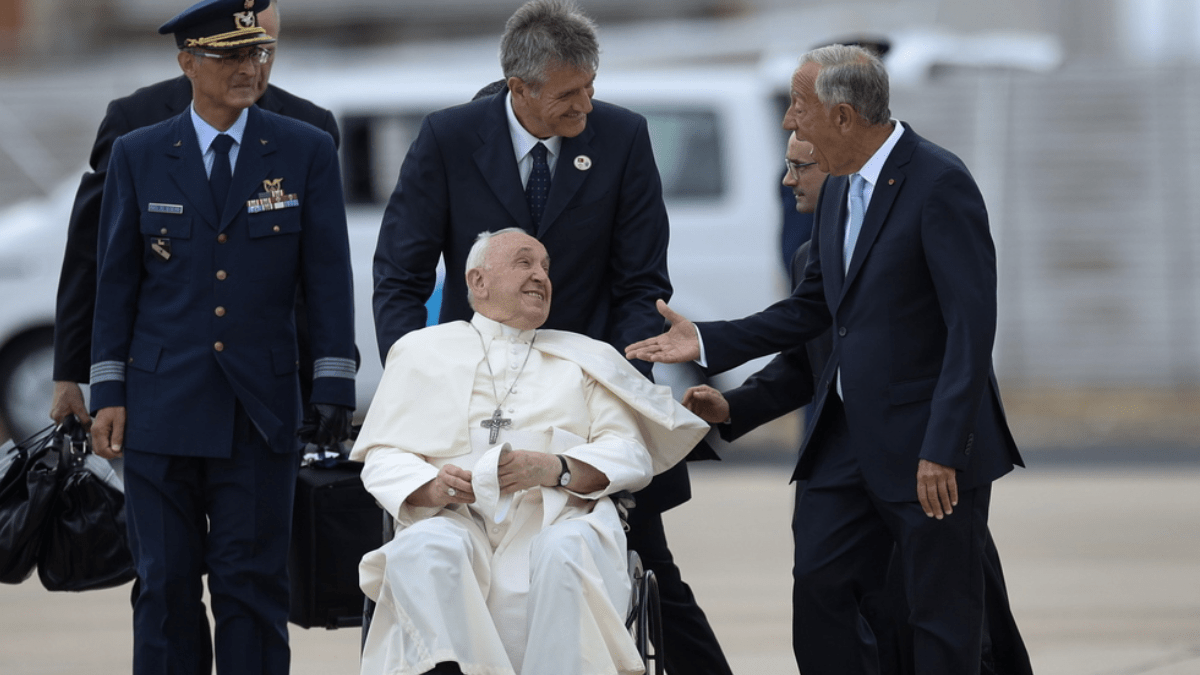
(644, 620)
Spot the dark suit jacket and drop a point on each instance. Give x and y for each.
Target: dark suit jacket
(75, 306)
(913, 324)
(605, 227)
(177, 340)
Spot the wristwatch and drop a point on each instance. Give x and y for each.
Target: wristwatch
(564, 478)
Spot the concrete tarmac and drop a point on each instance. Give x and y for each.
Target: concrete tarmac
(1102, 561)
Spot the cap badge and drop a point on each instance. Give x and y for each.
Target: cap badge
(244, 19)
(583, 162)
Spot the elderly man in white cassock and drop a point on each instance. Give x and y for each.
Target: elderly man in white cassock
(496, 446)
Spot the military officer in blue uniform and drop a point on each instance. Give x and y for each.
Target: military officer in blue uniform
(210, 222)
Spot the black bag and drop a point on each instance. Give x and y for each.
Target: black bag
(334, 523)
(28, 477)
(85, 545)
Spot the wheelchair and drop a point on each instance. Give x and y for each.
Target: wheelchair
(643, 619)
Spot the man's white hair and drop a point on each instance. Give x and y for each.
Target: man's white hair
(477, 257)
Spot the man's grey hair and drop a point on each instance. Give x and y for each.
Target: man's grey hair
(477, 256)
(544, 34)
(851, 75)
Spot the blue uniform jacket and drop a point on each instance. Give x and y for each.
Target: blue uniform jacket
(195, 309)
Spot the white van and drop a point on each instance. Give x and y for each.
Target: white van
(717, 141)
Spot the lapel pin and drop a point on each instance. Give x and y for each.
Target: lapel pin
(583, 162)
(891, 181)
(178, 143)
(263, 141)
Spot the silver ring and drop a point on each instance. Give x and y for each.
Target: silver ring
(451, 491)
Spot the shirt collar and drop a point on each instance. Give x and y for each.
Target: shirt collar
(495, 329)
(522, 140)
(871, 170)
(205, 132)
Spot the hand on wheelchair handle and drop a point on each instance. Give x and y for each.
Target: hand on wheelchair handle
(325, 424)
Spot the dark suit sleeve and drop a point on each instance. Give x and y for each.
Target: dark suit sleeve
(410, 242)
(962, 264)
(638, 262)
(783, 385)
(75, 303)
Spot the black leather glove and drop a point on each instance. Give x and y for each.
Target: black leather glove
(325, 424)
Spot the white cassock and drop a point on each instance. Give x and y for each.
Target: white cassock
(533, 583)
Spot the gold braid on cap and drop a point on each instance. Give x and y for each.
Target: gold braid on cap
(236, 38)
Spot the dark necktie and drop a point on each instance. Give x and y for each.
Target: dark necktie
(222, 174)
(538, 186)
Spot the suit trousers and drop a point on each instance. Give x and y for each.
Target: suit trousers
(689, 645)
(230, 518)
(844, 536)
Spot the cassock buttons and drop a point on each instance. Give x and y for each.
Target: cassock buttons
(219, 346)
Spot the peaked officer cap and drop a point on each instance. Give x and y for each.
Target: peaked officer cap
(219, 25)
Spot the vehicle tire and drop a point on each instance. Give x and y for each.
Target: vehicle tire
(26, 382)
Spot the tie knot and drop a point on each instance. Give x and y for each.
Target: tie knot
(222, 143)
(539, 153)
(857, 183)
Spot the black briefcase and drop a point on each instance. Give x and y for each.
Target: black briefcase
(335, 522)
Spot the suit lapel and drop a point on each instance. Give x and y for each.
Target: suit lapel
(498, 164)
(187, 168)
(257, 142)
(567, 177)
(891, 178)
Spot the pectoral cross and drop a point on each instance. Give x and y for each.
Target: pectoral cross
(495, 425)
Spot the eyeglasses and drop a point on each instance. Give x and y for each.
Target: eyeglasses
(258, 55)
(794, 168)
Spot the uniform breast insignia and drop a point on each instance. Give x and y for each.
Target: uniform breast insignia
(161, 247)
(176, 209)
(273, 199)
